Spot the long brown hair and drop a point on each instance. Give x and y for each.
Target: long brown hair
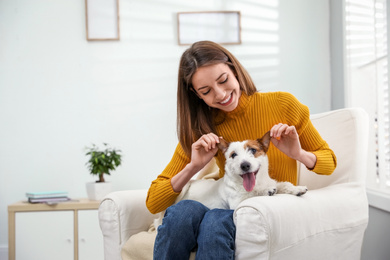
(194, 116)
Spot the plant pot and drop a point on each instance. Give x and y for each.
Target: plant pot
(97, 190)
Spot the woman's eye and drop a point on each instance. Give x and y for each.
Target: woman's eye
(205, 93)
(224, 81)
(253, 150)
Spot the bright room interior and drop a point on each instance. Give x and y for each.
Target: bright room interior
(60, 92)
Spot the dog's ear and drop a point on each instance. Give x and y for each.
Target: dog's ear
(265, 140)
(223, 144)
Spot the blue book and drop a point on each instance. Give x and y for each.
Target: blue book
(47, 194)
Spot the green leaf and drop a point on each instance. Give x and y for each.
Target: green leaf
(102, 161)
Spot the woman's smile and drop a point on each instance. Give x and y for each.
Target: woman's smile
(227, 100)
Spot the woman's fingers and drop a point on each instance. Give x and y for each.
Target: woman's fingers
(277, 130)
(211, 140)
(281, 129)
(291, 129)
(207, 141)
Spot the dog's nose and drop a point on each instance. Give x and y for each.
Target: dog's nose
(245, 166)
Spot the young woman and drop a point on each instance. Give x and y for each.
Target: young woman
(216, 97)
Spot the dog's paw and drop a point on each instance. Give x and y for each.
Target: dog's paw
(300, 190)
(288, 188)
(271, 191)
(267, 191)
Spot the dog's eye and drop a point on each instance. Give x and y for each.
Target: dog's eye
(253, 150)
(233, 155)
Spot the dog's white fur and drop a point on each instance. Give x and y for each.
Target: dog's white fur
(241, 158)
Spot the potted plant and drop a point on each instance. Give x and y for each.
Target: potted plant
(101, 161)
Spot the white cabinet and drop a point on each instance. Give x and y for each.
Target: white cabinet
(90, 236)
(64, 231)
(44, 235)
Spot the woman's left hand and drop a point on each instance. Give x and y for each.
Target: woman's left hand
(286, 139)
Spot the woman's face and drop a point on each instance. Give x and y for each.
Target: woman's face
(217, 86)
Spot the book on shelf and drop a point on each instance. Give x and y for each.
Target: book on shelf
(54, 200)
(47, 194)
(48, 197)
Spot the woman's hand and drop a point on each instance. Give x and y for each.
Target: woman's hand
(286, 139)
(203, 150)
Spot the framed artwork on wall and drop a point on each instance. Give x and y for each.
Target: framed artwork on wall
(102, 20)
(223, 27)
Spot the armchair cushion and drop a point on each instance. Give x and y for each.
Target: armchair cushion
(313, 226)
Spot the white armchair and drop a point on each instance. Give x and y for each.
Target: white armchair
(328, 222)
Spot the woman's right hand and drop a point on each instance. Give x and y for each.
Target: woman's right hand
(203, 150)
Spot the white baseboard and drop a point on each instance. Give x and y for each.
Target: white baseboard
(3, 252)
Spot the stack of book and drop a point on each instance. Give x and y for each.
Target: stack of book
(50, 197)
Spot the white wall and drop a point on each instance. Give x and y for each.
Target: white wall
(60, 93)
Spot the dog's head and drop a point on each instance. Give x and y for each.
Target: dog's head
(245, 160)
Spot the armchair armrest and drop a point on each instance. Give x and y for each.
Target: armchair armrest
(122, 214)
(314, 226)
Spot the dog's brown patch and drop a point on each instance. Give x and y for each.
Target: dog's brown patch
(223, 144)
(254, 144)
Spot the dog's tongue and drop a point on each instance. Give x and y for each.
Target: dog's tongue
(249, 181)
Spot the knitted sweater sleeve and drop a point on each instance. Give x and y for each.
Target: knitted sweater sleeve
(161, 194)
(298, 115)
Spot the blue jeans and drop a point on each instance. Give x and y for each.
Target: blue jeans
(188, 226)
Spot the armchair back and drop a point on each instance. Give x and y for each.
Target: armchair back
(346, 132)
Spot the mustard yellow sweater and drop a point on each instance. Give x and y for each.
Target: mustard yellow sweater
(254, 116)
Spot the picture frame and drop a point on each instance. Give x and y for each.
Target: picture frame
(102, 20)
(223, 27)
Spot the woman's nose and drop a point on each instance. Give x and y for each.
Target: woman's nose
(219, 93)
